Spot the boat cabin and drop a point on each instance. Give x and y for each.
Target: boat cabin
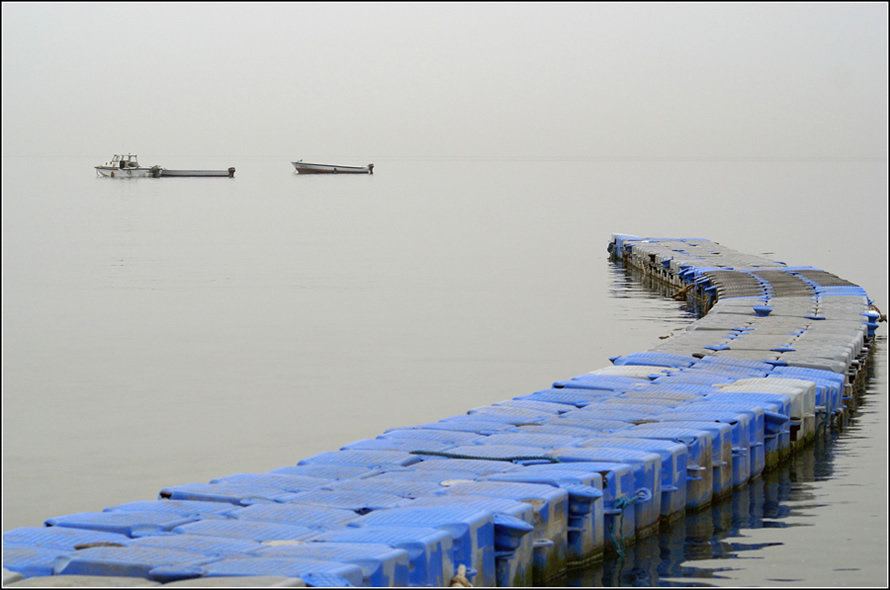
(124, 161)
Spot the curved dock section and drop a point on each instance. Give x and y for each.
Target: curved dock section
(513, 493)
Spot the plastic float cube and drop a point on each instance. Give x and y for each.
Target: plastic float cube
(382, 565)
(430, 550)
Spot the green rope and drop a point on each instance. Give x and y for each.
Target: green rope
(825, 422)
(624, 501)
(621, 503)
(479, 458)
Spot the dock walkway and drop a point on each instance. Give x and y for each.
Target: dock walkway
(514, 493)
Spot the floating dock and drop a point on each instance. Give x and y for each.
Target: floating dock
(514, 493)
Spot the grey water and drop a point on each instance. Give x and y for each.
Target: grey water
(158, 332)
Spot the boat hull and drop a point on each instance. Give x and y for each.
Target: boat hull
(114, 172)
(158, 172)
(306, 168)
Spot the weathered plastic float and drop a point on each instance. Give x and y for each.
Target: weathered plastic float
(516, 492)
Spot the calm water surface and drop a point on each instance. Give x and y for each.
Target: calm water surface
(166, 331)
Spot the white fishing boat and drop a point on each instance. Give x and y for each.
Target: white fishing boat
(126, 166)
(307, 168)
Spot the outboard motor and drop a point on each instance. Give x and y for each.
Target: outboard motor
(370, 168)
(232, 172)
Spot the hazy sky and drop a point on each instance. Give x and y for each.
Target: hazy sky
(797, 80)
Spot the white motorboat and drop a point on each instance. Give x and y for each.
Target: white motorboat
(126, 166)
(307, 168)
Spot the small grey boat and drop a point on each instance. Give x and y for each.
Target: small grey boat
(163, 173)
(307, 168)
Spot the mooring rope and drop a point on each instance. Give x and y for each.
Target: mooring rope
(825, 422)
(622, 503)
(460, 578)
(480, 458)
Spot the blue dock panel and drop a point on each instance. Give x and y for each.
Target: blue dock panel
(370, 459)
(279, 481)
(60, 538)
(394, 483)
(358, 501)
(516, 550)
(134, 562)
(471, 529)
(304, 515)
(720, 435)
(129, 523)
(32, 562)
(329, 572)
(381, 565)
(203, 544)
(675, 470)
(194, 508)
(430, 550)
(698, 476)
(585, 510)
(240, 494)
(646, 468)
(550, 517)
(259, 531)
